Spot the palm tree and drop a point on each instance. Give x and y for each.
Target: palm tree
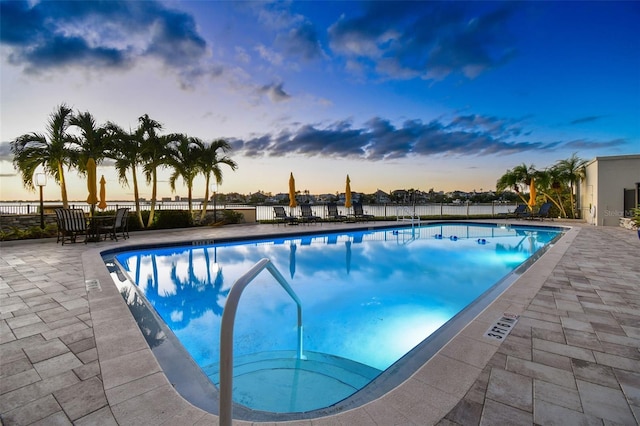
(125, 149)
(154, 153)
(210, 164)
(572, 170)
(92, 142)
(515, 178)
(548, 183)
(52, 151)
(184, 159)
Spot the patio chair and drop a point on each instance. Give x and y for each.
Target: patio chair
(282, 217)
(306, 214)
(72, 222)
(120, 224)
(542, 212)
(519, 212)
(332, 212)
(359, 214)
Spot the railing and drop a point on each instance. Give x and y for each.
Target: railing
(226, 333)
(404, 214)
(265, 212)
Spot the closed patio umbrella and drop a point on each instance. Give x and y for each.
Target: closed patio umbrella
(103, 194)
(532, 194)
(292, 192)
(92, 199)
(347, 193)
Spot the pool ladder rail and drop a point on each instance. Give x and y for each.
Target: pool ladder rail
(226, 332)
(404, 214)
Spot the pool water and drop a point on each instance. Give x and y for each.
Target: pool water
(368, 298)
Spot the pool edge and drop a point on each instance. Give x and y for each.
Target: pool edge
(125, 386)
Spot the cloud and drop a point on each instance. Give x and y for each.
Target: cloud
(587, 144)
(275, 92)
(51, 35)
(5, 152)
(429, 40)
(379, 139)
(588, 119)
(301, 41)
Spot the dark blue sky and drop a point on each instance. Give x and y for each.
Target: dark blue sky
(396, 94)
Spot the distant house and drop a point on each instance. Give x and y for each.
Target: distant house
(610, 189)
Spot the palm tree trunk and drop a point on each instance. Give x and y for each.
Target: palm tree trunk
(189, 196)
(154, 190)
(63, 187)
(206, 197)
(136, 196)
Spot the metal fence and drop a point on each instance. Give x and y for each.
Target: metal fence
(265, 212)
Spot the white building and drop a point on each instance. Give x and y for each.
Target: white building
(610, 190)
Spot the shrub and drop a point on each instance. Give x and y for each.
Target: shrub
(167, 219)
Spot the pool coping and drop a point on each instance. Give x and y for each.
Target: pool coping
(133, 378)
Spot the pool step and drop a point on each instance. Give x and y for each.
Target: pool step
(279, 382)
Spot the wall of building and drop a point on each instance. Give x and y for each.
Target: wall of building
(602, 190)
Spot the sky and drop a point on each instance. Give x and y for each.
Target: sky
(398, 95)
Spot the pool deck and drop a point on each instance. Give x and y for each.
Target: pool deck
(70, 352)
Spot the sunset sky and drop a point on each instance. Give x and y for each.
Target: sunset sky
(443, 95)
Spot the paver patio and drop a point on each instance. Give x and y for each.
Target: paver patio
(70, 355)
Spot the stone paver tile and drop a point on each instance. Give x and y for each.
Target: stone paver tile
(46, 350)
(384, 413)
(102, 417)
(568, 305)
(551, 359)
(88, 370)
(32, 412)
(76, 325)
(594, 373)
(633, 332)
(30, 330)
(548, 414)
(134, 388)
(552, 336)
(466, 412)
(542, 372)
(583, 339)
(630, 383)
(546, 325)
(164, 400)
(470, 351)
(558, 395)
(511, 389)
(604, 402)
(14, 366)
(127, 368)
(574, 324)
(564, 350)
(190, 415)
(82, 398)
(56, 419)
(22, 320)
(448, 375)
(54, 366)
(616, 361)
(39, 389)
(516, 346)
(495, 413)
(626, 351)
(19, 380)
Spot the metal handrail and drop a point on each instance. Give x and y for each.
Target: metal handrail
(226, 333)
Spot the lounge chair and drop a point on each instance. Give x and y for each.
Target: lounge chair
(120, 224)
(306, 214)
(519, 212)
(332, 212)
(542, 212)
(359, 214)
(71, 223)
(282, 217)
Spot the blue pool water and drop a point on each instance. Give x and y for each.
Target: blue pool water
(368, 298)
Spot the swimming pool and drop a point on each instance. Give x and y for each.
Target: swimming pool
(369, 297)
